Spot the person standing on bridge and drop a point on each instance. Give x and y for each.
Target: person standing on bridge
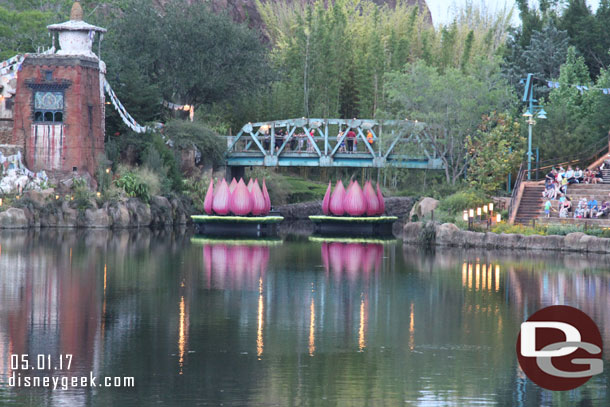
(369, 138)
(351, 137)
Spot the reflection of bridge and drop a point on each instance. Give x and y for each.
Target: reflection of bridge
(260, 144)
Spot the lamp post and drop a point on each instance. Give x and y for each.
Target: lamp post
(533, 111)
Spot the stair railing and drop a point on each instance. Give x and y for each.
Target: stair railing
(515, 198)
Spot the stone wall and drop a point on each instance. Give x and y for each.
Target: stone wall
(449, 235)
(41, 209)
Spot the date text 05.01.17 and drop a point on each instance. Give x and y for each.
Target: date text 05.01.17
(41, 362)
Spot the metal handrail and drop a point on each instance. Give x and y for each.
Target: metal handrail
(512, 207)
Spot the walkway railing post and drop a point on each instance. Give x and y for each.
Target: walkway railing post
(272, 144)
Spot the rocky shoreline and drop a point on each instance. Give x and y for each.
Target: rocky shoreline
(42, 210)
(449, 235)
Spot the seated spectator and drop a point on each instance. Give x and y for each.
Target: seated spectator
(561, 174)
(579, 212)
(604, 210)
(551, 176)
(570, 176)
(591, 208)
(578, 174)
(599, 175)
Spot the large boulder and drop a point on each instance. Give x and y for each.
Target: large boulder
(39, 198)
(119, 214)
(411, 232)
(179, 212)
(13, 218)
(161, 211)
(96, 218)
(423, 208)
(446, 233)
(139, 213)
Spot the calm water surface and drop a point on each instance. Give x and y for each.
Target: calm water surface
(284, 323)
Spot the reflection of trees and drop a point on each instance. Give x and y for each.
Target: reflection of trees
(332, 323)
(527, 282)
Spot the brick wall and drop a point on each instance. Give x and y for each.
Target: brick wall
(80, 139)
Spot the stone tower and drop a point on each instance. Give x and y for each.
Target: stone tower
(59, 102)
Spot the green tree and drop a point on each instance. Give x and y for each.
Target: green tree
(193, 55)
(451, 104)
(495, 150)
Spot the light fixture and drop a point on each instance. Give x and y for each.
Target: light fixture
(56, 197)
(491, 206)
(99, 194)
(498, 218)
(0, 201)
(528, 114)
(471, 213)
(485, 208)
(541, 114)
(107, 170)
(465, 217)
(479, 211)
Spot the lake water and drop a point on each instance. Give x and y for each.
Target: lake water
(292, 322)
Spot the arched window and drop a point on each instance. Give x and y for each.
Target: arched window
(48, 107)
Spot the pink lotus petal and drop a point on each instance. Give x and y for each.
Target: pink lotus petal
(354, 203)
(250, 183)
(372, 202)
(267, 199)
(326, 201)
(220, 204)
(240, 203)
(209, 198)
(336, 200)
(258, 200)
(381, 201)
(233, 185)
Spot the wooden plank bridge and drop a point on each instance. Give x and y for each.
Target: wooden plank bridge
(395, 143)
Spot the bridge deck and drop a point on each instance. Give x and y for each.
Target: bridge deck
(260, 144)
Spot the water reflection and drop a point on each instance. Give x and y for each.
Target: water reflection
(284, 323)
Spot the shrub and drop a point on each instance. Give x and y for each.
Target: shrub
(81, 193)
(133, 185)
(456, 203)
(196, 189)
(185, 134)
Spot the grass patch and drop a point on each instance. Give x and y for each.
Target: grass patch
(353, 219)
(237, 242)
(351, 240)
(236, 219)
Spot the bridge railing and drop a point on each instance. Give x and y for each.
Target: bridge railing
(325, 142)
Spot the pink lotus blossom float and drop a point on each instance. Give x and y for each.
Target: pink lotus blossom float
(240, 203)
(220, 204)
(354, 203)
(209, 198)
(238, 200)
(326, 201)
(336, 200)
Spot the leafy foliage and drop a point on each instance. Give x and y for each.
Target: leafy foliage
(495, 150)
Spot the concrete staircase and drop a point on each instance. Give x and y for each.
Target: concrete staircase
(531, 205)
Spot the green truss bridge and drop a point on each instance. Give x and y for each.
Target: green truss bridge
(314, 143)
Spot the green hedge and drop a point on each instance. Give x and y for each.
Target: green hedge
(236, 219)
(356, 219)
